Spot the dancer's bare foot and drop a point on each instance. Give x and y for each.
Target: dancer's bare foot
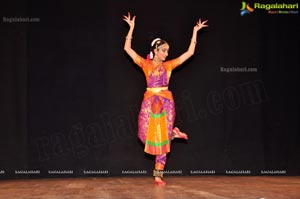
(159, 181)
(178, 134)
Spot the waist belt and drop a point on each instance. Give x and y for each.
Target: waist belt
(157, 89)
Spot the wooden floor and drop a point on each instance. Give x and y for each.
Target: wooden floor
(208, 187)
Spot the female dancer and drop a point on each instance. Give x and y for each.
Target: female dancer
(157, 113)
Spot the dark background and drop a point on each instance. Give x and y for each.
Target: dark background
(70, 96)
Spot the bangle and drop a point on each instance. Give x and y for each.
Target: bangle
(128, 38)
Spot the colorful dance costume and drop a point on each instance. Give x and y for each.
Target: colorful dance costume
(157, 113)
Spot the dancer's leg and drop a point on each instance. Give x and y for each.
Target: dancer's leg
(143, 120)
(160, 161)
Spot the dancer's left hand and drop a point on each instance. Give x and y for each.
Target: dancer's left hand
(200, 25)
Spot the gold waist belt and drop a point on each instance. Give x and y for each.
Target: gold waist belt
(157, 89)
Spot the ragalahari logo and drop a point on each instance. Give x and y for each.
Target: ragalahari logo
(246, 9)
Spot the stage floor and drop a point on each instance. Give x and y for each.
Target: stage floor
(195, 187)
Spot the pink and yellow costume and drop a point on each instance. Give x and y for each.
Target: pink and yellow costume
(157, 113)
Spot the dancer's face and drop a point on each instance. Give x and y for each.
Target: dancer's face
(162, 52)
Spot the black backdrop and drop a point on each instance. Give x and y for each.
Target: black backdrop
(70, 95)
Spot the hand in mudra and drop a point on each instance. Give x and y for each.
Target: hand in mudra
(200, 25)
(129, 20)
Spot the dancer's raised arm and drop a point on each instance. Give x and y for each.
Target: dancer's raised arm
(190, 52)
(128, 39)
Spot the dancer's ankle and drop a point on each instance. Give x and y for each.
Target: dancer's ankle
(158, 177)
